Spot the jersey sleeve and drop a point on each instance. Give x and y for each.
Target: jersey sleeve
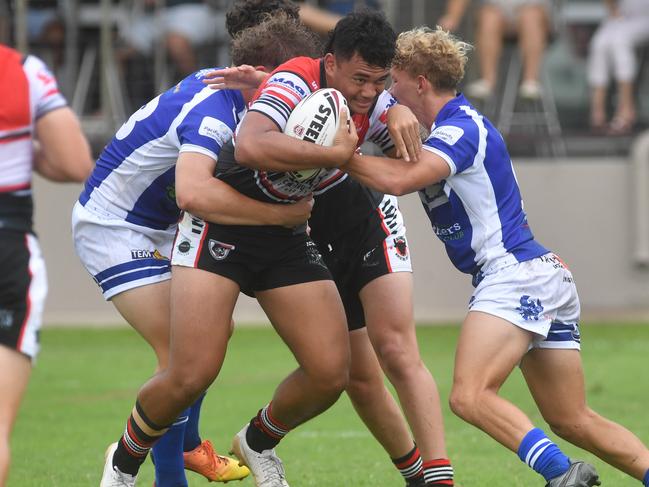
(283, 90)
(455, 142)
(44, 90)
(210, 124)
(378, 130)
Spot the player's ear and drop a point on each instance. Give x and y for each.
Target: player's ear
(263, 69)
(329, 63)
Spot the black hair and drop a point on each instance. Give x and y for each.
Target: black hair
(364, 32)
(248, 13)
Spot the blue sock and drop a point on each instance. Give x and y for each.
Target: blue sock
(538, 452)
(168, 455)
(645, 480)
(192, 438)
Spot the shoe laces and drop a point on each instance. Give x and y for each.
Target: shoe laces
(121, 479)
(213, 458)
(272, 467)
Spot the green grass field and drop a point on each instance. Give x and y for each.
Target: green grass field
(85, 381)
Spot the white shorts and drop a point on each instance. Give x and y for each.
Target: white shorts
(120, 255)
(511, 8)
(538, 295)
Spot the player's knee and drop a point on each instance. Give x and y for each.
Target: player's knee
(330, 378)
(464, 403)
(192, 384)
(396, 360)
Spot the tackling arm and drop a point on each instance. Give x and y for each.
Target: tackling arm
(397, 176)
(203, 195)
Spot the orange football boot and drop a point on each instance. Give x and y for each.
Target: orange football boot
(215, 468)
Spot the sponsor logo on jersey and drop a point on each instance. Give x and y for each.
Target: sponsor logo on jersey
(452, 232)
(219, 250)
(530, 308)
(171, 192)
(448, 133)
(287, 83)
(215, 129)
(147, 254)
(6, 318)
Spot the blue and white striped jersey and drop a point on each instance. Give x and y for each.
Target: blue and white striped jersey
(477, 211)
(134, 178)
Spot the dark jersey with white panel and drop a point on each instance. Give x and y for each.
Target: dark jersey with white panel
(359, 231)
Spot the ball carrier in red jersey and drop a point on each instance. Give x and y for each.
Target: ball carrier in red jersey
(361, 236)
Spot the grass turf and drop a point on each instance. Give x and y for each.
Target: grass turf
(85, 381)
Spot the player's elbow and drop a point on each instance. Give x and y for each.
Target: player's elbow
(186, 199)
(246, 151)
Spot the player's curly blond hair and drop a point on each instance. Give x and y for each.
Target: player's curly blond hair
(435, 54)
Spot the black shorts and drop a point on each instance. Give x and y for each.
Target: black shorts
(23, 287)
(256, 258)
(372, 249)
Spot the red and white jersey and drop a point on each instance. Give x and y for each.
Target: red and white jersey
(296, 79)
(29, 91)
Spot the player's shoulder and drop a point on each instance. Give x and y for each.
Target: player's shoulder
(297, 72)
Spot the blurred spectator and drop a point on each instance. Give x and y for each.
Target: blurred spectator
(182, 26)
(612, 53)
(526, 20)
(323, 16)
(38, 132)
(317, 19)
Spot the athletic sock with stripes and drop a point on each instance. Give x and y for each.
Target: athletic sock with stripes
(265, 432)
(409, 465)
(192, 437)
(168, 455)
(135, 443)
(438, 472)
(538, 452)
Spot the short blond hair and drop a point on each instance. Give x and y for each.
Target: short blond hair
(435, 54)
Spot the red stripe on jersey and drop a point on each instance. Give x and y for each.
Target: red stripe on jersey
(14, 138)
(28, 312)
(362, 123)
(276, 91)
(16, 110)
(200, 245)
(268, 185)
(331, 180)
(53, 91)
(385, 245)
(15, 187)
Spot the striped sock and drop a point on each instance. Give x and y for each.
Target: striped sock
(168, 455)
(138, 438)
(538, 452)
(438, 472)
(409, 465)
(645, 480)
(265, 432)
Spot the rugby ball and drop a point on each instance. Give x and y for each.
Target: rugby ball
(316, 119)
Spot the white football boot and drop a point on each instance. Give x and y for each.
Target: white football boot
(112, 476)
(266, 466)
